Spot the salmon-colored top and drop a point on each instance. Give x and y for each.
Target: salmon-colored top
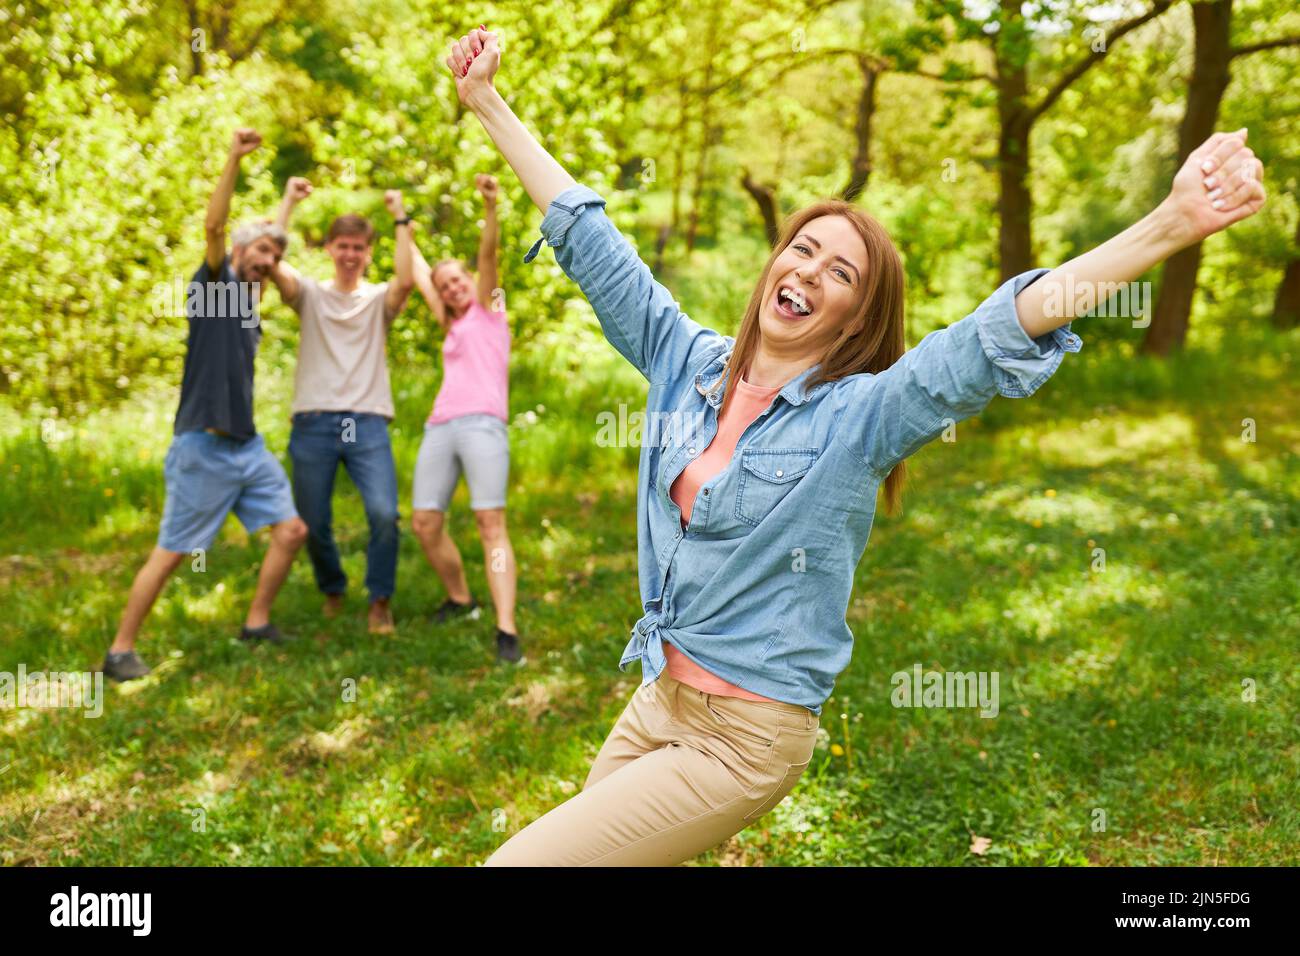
(748, 402)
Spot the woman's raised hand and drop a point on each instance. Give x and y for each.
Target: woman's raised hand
(1220, 183)
(473, 62)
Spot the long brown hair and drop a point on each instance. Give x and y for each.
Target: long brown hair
(870, 340)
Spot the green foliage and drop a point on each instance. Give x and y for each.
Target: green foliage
(114, 134)
(112, 145)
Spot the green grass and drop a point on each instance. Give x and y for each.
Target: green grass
(1121, 689)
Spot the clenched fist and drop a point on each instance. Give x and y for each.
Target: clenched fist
(297, 189)
(393, 203)
(245, 141)
(473, 62)
(487, 185)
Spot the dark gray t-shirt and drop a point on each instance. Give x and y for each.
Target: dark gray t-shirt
(217, 388)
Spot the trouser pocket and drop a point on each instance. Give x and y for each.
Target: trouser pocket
(741, 720)
(783, 787)
(791, 755)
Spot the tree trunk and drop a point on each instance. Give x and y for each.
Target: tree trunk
(661, 244)
(1015, 205)
(1016, 120)
(861, 169)
(1210, 75)
(708, 133)
(196, 56)
(679, 154)
(701, 177)
(765, 197)
(1286, 306)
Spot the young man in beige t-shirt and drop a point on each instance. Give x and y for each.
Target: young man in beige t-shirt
(342, 401)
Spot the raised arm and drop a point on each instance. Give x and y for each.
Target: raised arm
(473, 62)
(295, 191)
(1018, 337)
(214, 224)
(399, 287)
(284, 275)
(637, 314)
(487, 244)
(1220, 183)
(951, 374)
(422, 275)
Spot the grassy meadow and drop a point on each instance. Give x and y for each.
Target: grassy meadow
(1121, 685)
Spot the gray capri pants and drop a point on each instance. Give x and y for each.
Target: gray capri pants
(478, 444)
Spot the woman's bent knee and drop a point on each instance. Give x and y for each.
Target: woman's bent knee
(427, 523)
(491, 524)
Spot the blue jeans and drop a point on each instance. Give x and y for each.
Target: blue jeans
(318, 442)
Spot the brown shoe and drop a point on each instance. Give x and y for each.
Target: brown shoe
(333, 605)
(381, 617)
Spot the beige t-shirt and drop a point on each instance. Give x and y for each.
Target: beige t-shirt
(342, 356)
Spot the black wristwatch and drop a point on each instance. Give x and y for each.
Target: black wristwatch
(404, 221)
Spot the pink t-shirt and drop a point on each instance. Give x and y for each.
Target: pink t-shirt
(475, 367)
(748, 402)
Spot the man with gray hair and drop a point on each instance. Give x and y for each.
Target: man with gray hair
(217, 461)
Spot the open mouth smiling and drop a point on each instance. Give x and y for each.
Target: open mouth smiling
(792, 303)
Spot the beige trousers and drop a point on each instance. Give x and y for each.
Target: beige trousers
(680, 772)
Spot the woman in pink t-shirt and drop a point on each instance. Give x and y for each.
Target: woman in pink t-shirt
(466, 431)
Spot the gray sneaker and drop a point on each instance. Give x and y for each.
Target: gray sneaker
(124, 666)
(508, 647)
(452, 609)
(267, 632)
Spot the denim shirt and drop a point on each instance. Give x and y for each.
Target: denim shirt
(756, 587)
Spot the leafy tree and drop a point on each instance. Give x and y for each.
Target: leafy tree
(1215, 52)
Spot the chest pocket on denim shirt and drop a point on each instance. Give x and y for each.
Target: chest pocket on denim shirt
(766, 476)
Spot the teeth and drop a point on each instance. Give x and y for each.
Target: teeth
(796, 299)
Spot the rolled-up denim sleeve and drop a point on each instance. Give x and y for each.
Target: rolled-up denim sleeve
(952, 374)
(638, 315)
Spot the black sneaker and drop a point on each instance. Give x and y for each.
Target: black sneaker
(452, 609)
(267, 632)
(124, 666)
(507, 646)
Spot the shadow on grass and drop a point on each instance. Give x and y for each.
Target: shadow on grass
(1121, 686)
